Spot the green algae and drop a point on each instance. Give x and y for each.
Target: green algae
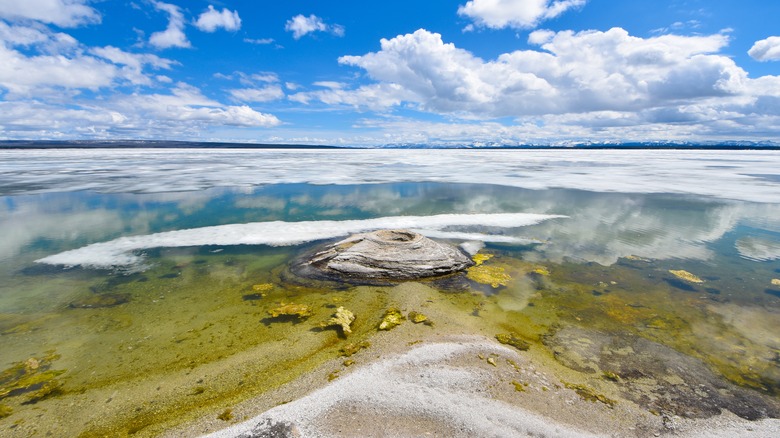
(5, 411)
(33, 378)
(226, 415)
(519, 387)
(352, 348)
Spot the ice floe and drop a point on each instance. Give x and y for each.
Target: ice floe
(124, 251)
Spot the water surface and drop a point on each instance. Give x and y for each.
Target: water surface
(182, 330)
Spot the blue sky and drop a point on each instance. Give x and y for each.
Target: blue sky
(371, 73)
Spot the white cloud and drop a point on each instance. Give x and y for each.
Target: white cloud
(52, 62)
(519, 14)
(186, 104)
(37, 75)
(173, 35)
(576, 72)
(259, 41)
(766, 50)
(264, 94)
(181, 113)
(301, 25)
(38, 37)
(265, 77)
(211, 20)
(64, 13)
(133, 63)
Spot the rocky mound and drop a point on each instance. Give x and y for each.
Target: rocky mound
(383, 255)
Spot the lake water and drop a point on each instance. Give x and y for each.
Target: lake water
(135, 285)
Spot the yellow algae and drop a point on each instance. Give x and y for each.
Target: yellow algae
(519, 387)
(541, 270)
(480, 258)
(590, 394)
(342, 318)
(492, 275)
(685, 275)
(775, 282)
(300, 311)
(492, 361)
(392, 318)
(5, 411)
(417, 318)
(263, 289)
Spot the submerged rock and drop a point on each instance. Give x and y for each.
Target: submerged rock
(384, 255)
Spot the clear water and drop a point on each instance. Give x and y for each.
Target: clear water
(133, 349)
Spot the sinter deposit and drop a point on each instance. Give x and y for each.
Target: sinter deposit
(385, 255)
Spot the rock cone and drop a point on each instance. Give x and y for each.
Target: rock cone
(385, 255)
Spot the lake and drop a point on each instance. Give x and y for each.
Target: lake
(137, 285)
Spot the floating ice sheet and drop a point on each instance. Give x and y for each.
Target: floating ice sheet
(740, 175)
(122, 252)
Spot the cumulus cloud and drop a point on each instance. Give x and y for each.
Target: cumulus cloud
(63, 13)
(575, 86)
(766, 50)
(173, 35)
(37, 75)
(301, 25)
(211, 20)
(573, 73)
(519, 14)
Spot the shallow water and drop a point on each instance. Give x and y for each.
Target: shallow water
(185, 328)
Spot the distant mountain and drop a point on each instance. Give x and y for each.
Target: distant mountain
(109, 144)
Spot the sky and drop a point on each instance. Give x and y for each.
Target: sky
(372, 73)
